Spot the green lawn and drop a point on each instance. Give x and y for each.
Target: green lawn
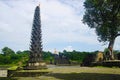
(77, 73)
(83, 73)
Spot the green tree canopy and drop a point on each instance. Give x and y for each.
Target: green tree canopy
(104, 16)
(7, 51)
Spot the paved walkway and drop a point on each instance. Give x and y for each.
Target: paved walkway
(55, 66)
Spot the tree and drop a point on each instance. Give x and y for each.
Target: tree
(104, 16)
(47, 55)
(7, 51)
(19, 52)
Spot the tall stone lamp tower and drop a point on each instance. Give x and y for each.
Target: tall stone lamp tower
(35, 58)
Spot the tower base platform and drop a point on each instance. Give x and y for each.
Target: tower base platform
(35, 66)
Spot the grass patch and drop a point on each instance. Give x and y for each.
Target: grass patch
(5, 78)
(44, 70)
(9, 67)
(83, 73)
(82, 76)
(72, 73)
(27, 73)
(12, 68)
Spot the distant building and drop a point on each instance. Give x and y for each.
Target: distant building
(60, 59)
(56, 52)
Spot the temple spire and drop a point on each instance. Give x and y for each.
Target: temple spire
(39, 5)
(36, 38)
(35, 57)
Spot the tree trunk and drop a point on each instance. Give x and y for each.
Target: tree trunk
(110, 47)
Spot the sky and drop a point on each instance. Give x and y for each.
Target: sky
(62, 26)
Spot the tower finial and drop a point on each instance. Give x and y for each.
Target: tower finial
(39, 5)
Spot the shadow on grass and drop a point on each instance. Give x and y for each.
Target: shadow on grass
(7, 78)
(84, 76)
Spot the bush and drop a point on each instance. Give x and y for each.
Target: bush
(89, 58)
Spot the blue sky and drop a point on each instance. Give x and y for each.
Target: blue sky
(62, 27)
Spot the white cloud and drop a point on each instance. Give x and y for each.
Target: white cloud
(69, 48)
(63, 24)
(59, 18)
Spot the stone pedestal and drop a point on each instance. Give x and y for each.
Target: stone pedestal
(35, 66)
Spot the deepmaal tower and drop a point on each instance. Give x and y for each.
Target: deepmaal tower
(35, 57)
